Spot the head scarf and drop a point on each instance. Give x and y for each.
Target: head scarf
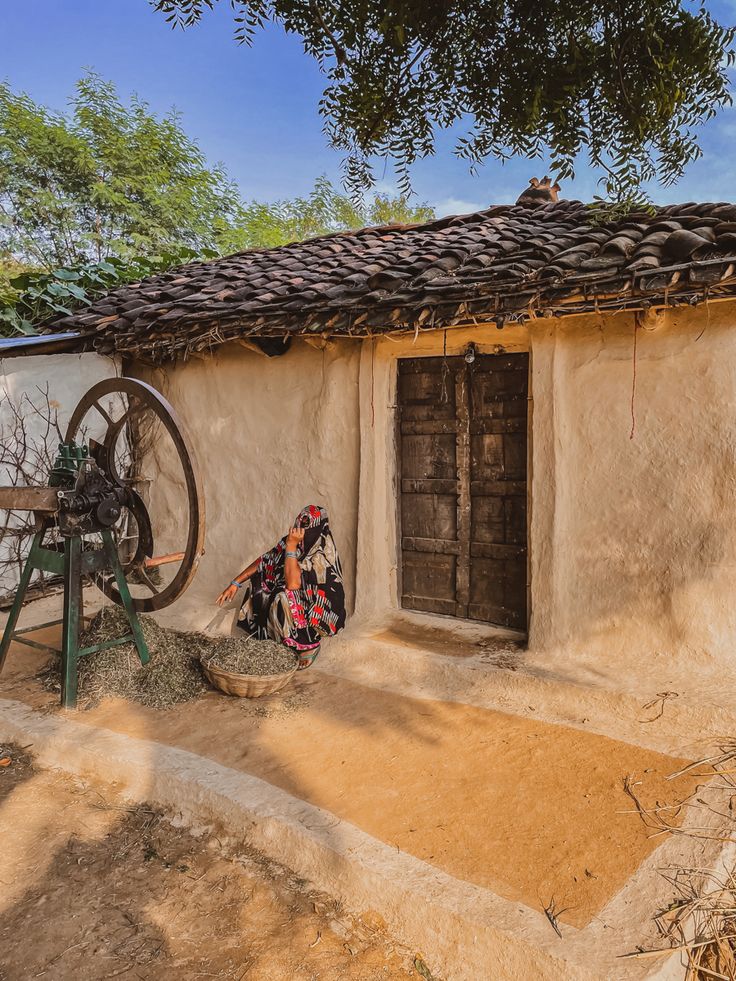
(320, 602)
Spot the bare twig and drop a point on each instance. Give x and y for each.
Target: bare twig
(29, 435)
(660, 701)
(553, 914)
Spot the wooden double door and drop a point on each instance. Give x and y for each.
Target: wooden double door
(463, 488)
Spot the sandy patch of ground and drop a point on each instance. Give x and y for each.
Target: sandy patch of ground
(535, 812)
(93, 889)
(500, 650)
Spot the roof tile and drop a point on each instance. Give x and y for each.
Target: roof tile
(435, 274)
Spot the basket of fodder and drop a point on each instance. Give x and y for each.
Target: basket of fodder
(247, 667)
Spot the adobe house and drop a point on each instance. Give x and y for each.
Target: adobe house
(522, 417)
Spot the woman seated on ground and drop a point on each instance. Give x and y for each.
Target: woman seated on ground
(294, 592)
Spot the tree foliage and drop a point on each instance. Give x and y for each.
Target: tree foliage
(323, 210)
(108, 194)
(625, 81)
(106, 179)
(35, 297)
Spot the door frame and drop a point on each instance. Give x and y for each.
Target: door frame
(378, 572)
(462, 374)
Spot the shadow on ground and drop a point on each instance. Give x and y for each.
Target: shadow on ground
(101, 890)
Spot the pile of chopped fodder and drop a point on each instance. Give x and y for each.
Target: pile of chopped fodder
(246, 655)
(172, 675)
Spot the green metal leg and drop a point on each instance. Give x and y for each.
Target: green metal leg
(73, 564)
(70, 627)
(135, 625)
(20, 595)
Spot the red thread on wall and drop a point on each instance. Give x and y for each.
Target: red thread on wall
(373, 406)
(633, 381)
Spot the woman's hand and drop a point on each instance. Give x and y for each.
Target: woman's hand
(292, 572)
(294, 538)
(226, 595)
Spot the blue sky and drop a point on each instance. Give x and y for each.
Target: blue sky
(256, 109)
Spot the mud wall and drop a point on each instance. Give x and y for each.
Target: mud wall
(271, 435)
(632, 538)
(633, 524)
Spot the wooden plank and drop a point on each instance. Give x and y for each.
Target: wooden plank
(430, 577)
(29, 499)
(488, 519)
(432, 485)
(514, 456)
(498, 590)
(502, 488)
(439, 545)
(492, 550)
(397, 496)
(424, 366)
(427, 427)
(515, 519)
(424, 604)
(499, 456)
(428, 489)
(462, 435)
(498, 487)
(499, 425)
(431, 457)
(429, 516)
(487, 456)
(500, 362)
(500, 616)
(426, 396)
(498, 405)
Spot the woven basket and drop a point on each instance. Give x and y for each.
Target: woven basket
(247, 685)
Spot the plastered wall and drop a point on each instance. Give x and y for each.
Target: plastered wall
(634, 533)
(271, 435)
(632, 539)
(632, 544)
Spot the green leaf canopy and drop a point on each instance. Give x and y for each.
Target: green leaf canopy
(625, 81)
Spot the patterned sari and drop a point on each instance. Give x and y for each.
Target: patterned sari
(299, 618)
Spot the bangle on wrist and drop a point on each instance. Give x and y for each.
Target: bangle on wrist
(291, 555)
(236, 583)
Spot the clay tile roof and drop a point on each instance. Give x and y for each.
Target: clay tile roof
(508, 263)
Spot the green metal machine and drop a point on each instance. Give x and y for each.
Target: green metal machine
(91, 521)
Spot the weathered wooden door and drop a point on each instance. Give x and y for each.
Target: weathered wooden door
(463, 438)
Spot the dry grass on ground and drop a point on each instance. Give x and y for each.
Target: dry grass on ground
(94, 889)
(173, 674)
(700, 921)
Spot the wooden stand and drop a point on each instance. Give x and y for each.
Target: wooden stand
(73, 564)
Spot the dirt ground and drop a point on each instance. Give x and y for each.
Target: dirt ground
(94, 889)
(535, 812)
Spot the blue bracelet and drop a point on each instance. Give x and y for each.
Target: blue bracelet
(236, 583)
(291, 555)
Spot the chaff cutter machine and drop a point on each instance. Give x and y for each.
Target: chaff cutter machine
(92, 520)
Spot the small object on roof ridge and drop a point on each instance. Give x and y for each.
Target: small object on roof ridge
(538, 193)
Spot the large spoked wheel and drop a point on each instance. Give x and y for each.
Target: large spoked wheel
(130, 428)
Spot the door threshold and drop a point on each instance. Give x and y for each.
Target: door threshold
(445, 635)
